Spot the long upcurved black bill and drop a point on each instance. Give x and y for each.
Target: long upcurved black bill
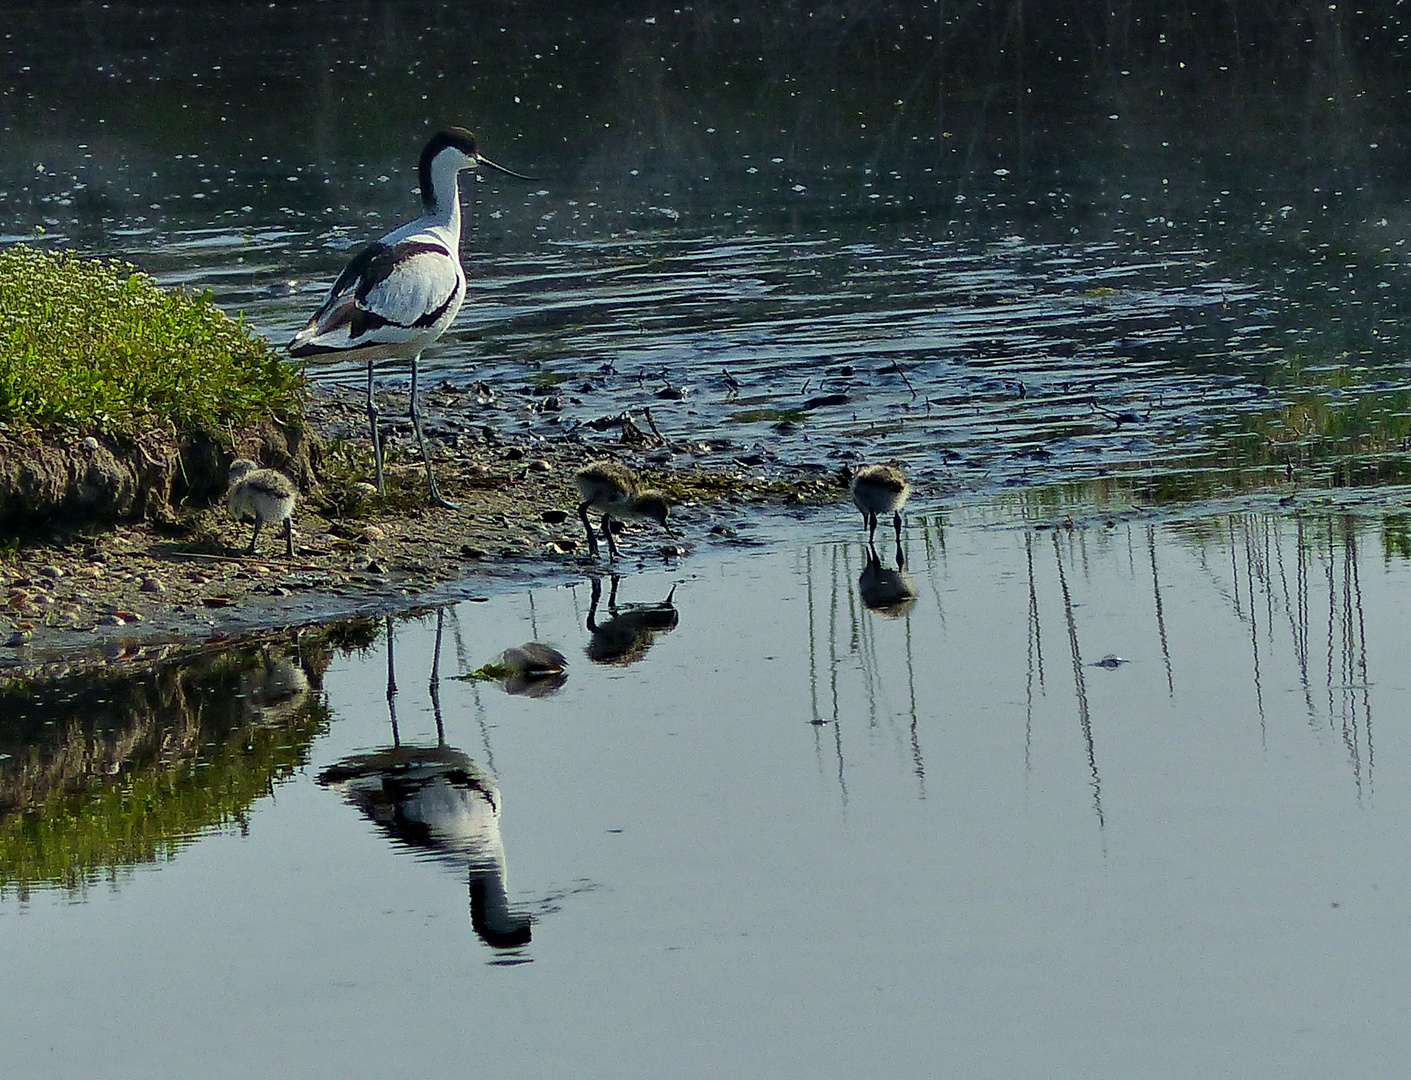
(481, 160)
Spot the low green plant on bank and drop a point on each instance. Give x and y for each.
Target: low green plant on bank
(90, 344)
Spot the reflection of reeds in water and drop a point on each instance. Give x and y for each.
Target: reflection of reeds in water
(1080, 685)
(1292, 585)
(1159, 611)
(888, 594)
(1307, 568)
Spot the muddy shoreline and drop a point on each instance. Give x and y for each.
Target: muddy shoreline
(78, 596)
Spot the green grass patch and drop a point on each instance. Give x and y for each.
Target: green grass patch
(88, 344)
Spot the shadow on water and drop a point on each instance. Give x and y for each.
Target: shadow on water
(436, 801)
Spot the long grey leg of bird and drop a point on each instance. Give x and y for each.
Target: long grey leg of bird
(436, 497)
(289, 538)
(372, 412)
(255, 535)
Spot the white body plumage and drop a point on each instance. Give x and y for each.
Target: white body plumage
(402, 292)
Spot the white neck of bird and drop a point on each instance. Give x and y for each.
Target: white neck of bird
(444, 206)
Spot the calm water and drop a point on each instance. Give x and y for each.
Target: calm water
(776, 832)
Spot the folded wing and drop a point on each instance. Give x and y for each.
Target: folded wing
(386, 295)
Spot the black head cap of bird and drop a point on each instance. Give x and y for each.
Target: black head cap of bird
(463, 142)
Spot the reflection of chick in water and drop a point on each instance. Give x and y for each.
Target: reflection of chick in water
(629, 631)
(883, 590)
(273, 690)
(437, 800)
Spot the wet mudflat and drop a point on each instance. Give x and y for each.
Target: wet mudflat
(1092, 801)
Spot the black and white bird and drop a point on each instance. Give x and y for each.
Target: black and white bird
(261, 495)
(880, 489)
(611, 489)
(401, 293)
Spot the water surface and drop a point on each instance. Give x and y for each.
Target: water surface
(1089, 802)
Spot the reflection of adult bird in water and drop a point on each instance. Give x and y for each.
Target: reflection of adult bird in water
(436, 799)
(880, 489)
(629, 631)
(402, 292)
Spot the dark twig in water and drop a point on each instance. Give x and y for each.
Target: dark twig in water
(896, 367)
(651, 423)
(1126, 416)
(632, 435)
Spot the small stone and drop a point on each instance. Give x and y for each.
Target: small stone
(514, 453)
(469, 552)
(372, 534)
(51, 571)
(109, 620)
(90, 444)
(20, 638)
(152, 585)
(363, 490)
(555, 517)
(539, 465)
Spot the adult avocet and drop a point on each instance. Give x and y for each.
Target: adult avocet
(399, 294)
